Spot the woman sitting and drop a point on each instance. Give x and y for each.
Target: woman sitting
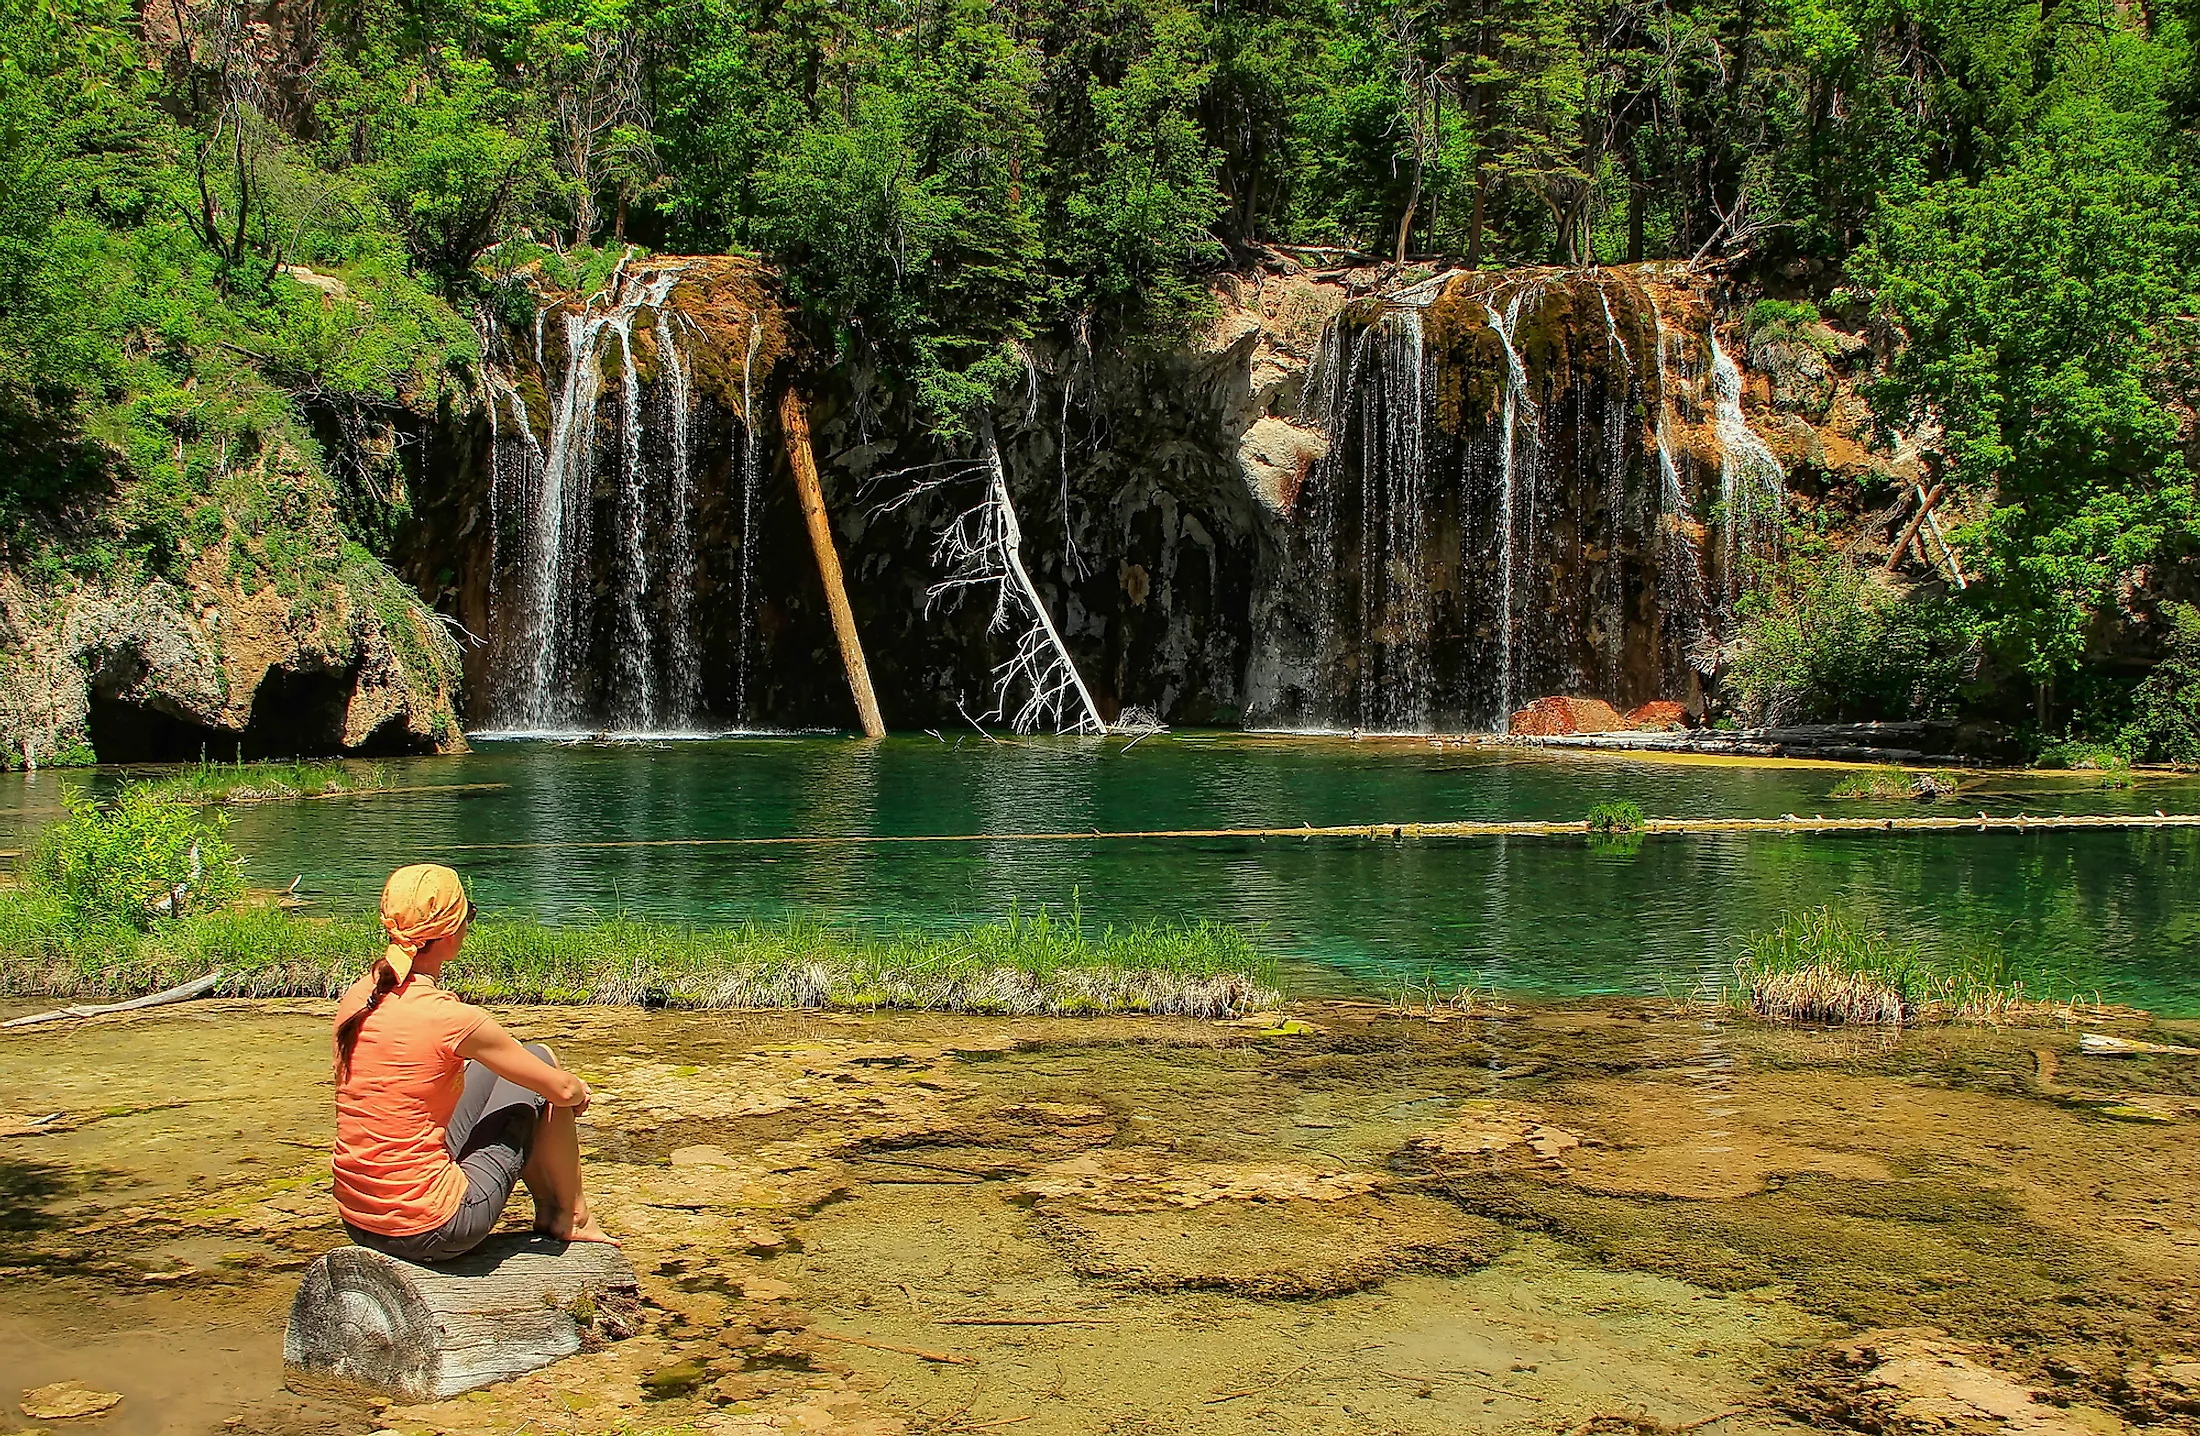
(439, 1112)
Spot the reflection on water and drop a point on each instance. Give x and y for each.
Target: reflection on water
(2097, 910)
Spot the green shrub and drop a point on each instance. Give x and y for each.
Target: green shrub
(1794, 322)
(120, 862)
(2165, 722)
(242, 782)
(1615, 815)
(2080, 755)
(1824, 639)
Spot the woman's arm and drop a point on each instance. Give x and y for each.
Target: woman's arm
(500, 1052)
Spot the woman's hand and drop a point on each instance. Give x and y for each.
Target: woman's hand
(500, 1052)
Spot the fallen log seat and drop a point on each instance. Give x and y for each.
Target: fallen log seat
(513, 1305)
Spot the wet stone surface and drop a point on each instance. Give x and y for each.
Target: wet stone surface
(1585, 1218)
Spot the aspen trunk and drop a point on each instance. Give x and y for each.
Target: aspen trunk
(425, 1333)
(794, 422)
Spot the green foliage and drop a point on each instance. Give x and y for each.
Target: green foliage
(1874, 783)
(1615, 815)
(120, 863)
(1825, 639)
(1824, 939)
(2041, 305)
(218, 253)
(2165, 722)
(1791, 323)
(2081, 755)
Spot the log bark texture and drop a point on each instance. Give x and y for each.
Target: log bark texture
(425, 1333)
(794, 424)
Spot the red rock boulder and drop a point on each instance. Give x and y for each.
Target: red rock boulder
(1658, 716)
(1552, 717)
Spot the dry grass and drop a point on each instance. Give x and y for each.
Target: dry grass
(1816, 968)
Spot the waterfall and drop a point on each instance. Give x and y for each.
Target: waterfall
(1405, 522)
(548, 648)
(1515, 403)
(749, 476)
(1675, 504)
(1526, 501)
(557, 528)
(1335, 381)
(684, 672)
(496, 491)
(1752, 485)
(1615, 482)
(1394, 599)
(637, 679)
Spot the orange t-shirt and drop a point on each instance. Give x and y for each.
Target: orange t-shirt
(393, 1173)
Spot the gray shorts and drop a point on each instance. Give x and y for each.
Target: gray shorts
(491, 1129)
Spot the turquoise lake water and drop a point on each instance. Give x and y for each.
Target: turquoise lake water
(2106, 911)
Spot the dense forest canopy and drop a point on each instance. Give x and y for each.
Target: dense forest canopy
(2006, 188)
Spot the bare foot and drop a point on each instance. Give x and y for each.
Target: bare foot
(588, 1231)
(575, 1226)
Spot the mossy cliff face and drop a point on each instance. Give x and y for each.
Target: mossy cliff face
(1359, 498)
(271, 636)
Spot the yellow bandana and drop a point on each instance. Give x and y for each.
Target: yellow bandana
(420, 903)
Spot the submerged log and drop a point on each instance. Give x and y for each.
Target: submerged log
(512, 1306)
(794, 424)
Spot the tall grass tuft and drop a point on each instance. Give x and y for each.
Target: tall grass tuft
(1895, 783)
(1816, 967)
(241, 782)
(1613, 816)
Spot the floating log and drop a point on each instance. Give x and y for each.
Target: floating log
(1524, 828)
(424, 1333)
(794, 424)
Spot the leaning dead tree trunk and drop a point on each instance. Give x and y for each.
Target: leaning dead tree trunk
(988, 544)
(794, 423)
(424, 1333)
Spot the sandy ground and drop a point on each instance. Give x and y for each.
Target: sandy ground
(1571, 1219)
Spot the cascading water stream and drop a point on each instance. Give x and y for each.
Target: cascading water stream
(1616, 395)
(637, 678)
(749, 477)
(1515, 402)
(1337, 369)
(1405, 620)
(1752, 485)
(1674, 503)
(684, 672)
(496, 491)
(554, 621)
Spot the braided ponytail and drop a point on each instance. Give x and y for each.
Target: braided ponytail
(347, 1033)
